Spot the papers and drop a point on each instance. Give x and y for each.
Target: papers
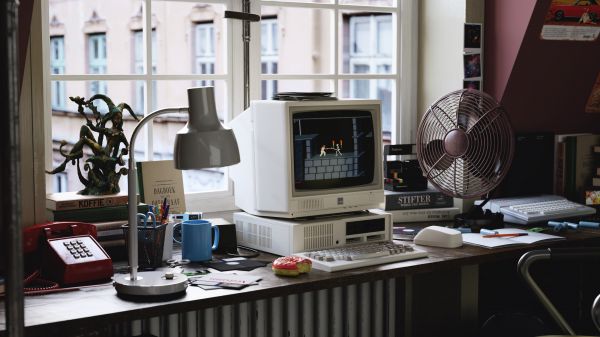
(531, 237)
(224, 280)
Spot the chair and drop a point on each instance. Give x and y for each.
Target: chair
(565, 254)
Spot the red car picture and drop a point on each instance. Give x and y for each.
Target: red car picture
(582, 10)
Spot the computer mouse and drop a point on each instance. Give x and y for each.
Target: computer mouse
(438, 236)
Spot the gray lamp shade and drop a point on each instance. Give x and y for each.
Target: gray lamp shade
(203, 142)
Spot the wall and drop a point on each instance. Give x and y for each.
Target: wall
(549, 82)
(441, 25)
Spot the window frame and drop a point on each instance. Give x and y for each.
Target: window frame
(405, 76)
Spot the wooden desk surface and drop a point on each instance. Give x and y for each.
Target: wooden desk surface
(99, 305)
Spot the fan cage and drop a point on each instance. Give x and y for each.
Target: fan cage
(482, 159)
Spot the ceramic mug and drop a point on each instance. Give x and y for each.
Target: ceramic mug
(197, 241)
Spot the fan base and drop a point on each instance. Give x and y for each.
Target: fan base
(476, 219)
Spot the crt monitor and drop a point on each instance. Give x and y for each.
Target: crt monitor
(306, 158)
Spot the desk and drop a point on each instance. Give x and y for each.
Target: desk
(98, 307)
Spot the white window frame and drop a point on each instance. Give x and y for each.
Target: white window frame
(405, 72)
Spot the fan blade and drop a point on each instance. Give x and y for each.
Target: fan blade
(435, 156)
(488, 117)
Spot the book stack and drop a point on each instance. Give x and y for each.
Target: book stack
(107, 212)
(417, 206)
(576, 166)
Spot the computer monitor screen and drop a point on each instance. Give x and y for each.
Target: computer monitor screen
(333, 149)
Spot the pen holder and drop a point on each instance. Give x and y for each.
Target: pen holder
(151, 242)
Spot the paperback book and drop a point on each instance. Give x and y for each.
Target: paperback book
(425, 214)
(93, 215)
(158, 180)
(72, 200)
(430, 198)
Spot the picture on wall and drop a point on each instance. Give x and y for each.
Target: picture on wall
(472, 84)
(472, 65)
(593, 102)
(572, 20)
(472, 36)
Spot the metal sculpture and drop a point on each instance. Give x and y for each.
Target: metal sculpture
(102, 167)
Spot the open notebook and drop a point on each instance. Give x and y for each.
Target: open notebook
(531, 237)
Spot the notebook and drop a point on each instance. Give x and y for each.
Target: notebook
(477, 239)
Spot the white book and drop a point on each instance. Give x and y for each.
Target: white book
(426, 214)
(477, 239)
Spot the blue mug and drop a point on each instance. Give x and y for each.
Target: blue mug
(196, 240)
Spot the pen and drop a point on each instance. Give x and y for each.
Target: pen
(589, 224)
(504, 235)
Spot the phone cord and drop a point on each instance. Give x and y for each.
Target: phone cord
(42, 286)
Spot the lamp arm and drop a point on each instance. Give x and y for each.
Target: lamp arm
(132, 190)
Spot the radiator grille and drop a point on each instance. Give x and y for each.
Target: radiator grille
(318, 236)
(366, 309)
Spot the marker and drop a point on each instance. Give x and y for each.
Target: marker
(484, 231)
(589, 224)
(506, 235)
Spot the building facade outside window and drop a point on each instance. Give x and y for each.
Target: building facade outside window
(138, 68)
(204, 41)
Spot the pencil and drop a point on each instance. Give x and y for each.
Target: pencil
(504, 235)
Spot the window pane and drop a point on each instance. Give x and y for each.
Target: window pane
(367, 40)
(305, 46)
(95, 31)
(190, 35)
(374, 89)
(174, 94)
(70, 126)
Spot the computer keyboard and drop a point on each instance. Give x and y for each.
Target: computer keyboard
(526, 210)
(361, 255)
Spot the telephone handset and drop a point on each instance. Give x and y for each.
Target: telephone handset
(63, 254)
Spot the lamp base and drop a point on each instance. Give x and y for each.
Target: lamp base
(150, 284)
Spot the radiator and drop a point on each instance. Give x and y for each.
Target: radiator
(360, 310)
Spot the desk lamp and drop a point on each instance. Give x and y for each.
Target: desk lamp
(201, 143)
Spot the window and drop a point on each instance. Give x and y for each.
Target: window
(97, 61)
(57, 66)
(347, 47)
(205, 51)
(138, 64)
(269, 46)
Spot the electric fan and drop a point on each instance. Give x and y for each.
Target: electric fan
(465, 145)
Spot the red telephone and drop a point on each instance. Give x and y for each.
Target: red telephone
(65, 252)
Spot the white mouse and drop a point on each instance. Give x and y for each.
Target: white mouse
(438, 236)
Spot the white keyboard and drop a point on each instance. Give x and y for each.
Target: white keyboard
(526, 210)
(361, 255)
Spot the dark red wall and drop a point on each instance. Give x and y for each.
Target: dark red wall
(549, 82)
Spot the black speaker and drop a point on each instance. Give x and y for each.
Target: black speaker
(227, 239)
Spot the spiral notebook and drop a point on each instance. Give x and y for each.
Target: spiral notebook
(477, 239)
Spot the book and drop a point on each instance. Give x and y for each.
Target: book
(430, 198)
(579, 164)
(477, 239)
(158, 180)
(94, 215)
(592, 197)
(110, 230)
(596, 181)
(72, 200)
(426, 214)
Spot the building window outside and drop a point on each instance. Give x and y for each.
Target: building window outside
(204, 42)
(371, 53)
(138, 68)
(269, 52)
(57, 66)
(97, 61)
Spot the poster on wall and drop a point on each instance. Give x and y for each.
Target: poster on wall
(572, 20)
(593, 102)
(472, 65)
(472, 84)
